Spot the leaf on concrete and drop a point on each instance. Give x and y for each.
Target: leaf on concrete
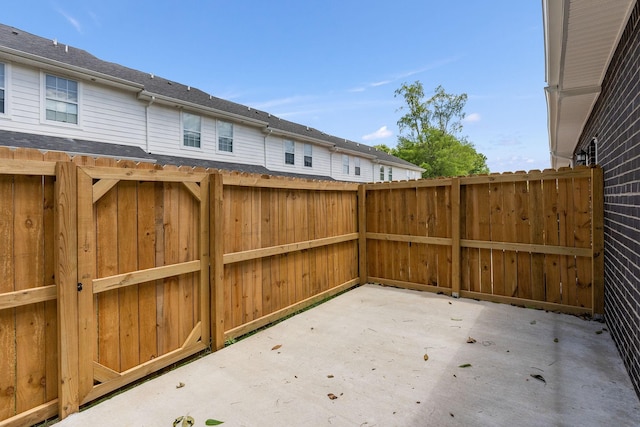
(599, 331)
(555, 340)
(533, 322)
(180, 385)
(471, 340)
(426, 357)
(212, 422)
(538, 377)
(465, 365)
(455, 319)
(188, 422)
(332, 396)
(177, 421)
(275, 347)
(329, 376)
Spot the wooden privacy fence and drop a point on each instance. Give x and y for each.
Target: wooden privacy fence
(113, 270)
(107, 273)
(532, 239)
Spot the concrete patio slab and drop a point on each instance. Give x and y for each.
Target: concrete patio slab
(367, 348)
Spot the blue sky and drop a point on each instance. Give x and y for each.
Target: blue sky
(332, 64)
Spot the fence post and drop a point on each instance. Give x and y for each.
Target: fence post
(66, 277)
(455, 237)
(362, 231)
(216, 242)
(597, 240)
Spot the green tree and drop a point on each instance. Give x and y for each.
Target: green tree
(430, 134)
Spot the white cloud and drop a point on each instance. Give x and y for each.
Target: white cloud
(381, 133)
(73, 21)
(472, 118)
(404, 75)
(381, 83)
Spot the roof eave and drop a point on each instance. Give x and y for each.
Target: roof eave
(74, 71)
(269, 130)
(570, 97)
(147, 96)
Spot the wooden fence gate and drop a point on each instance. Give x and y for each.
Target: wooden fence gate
(142, 277)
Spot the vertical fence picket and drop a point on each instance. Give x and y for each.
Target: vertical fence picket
(566, 225)
(146, 228)
(551, 237)
(107, 265)
(537, 236)
(484, 233)
(372, 214)
(497, 235)
(170, 310)
(298, 233)
(127, 251)
(443, 225)
(266, 231)
(29, 273)
(582, 205)
(256, 264)
(510, 221)
(8, 358)
(523, 235)
(470, 256)
(188, 248)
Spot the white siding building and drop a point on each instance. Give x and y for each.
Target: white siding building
(49, 90)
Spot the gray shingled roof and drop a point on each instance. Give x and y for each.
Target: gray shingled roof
(71, 146)
(28, 43)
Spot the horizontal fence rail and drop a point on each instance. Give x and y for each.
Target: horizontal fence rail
(112, 270)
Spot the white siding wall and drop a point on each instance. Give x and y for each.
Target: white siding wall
(106, 114)
(164, 130)
(165, 137)
(275, 158)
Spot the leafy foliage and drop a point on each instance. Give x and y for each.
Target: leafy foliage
(430, 134)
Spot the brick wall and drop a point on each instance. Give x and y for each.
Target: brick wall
(615, 122)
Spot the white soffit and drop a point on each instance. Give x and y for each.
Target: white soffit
(580, 39)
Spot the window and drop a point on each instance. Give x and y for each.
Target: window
(356, 163)
(345, 164)
(289, 153)
(390, 173)
(408, 175)
(381, 173)
(191, 125)
(225, 136)
(61, 96)
(308, 155)
(3, 85)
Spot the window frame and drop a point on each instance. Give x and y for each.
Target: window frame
(4, 82)
(390, 173)
(46, 98)
(219, 136)
(381, 172)
(289, 152)
(183, 120)
(356, 166)
(345, 164)
(307, 156)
